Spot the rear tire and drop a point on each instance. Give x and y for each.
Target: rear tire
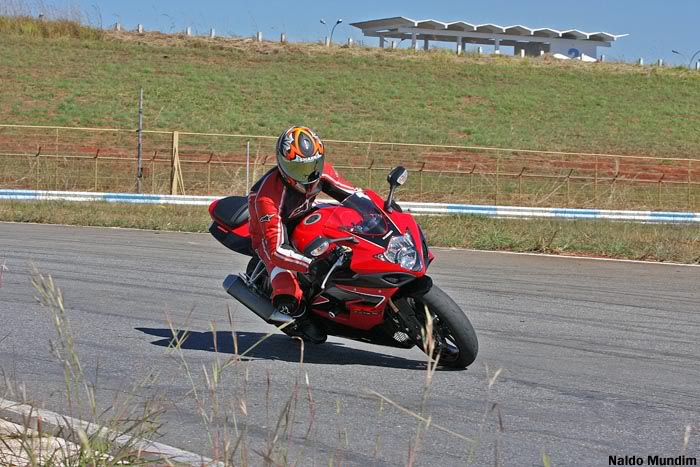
(451, 328)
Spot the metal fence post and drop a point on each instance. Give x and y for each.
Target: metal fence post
(369, 174)
(658, 191)
(520, 186)
(498, 170)
(139, 145)
(613, 183)
(688, 188)
(174, 149)
(420, 172)
(36, 168)
(471, 182)
(595, 181)
(568, 187)
(97, 155)
(153, 171)
(209, 174)
(247, 166)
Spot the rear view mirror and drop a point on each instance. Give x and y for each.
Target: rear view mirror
(317, 247)
(397, 176)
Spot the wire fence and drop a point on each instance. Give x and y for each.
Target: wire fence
(105, 160)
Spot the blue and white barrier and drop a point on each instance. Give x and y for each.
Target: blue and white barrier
(415, 208)
(34, 195)
(565, 213)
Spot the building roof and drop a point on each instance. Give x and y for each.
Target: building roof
(393, 24)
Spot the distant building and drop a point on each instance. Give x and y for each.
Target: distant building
(571, 43)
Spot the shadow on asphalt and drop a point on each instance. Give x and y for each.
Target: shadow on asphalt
(280, 347)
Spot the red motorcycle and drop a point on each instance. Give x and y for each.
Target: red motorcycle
(376, 289)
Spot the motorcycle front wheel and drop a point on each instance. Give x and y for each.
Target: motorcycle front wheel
(455, 340)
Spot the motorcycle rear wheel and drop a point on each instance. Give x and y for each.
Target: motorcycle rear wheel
(455, 339)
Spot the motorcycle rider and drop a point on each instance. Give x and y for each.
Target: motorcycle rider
(276, 203)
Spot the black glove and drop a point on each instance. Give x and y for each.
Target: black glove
(320, 266)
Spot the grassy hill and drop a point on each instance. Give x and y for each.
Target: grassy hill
(80, 76)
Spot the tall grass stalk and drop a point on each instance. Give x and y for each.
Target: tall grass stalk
(217, 415)
(47, 20)
(492, 408)
(112, 436)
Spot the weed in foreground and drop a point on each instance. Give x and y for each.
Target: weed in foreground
(114, 436)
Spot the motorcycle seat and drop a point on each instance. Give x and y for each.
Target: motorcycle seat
(232, 211)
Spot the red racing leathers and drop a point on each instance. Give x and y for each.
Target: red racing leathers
(273, 207)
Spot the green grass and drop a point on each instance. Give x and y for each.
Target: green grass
(623, 240)
(652, 242)
(234, 86)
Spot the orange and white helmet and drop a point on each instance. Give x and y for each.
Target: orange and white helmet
(300, 158)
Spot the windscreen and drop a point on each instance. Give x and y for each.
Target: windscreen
(362, 217)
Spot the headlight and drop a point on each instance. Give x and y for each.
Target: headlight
(402, 251)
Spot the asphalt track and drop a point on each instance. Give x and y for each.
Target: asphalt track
(598, 358)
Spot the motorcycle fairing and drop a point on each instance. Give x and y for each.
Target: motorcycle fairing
(357, 296)
(230, 224)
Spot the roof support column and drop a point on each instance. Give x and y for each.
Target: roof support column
(460, 45)
(381, 42)
(414, 41)
(426, 44)
(497, 47)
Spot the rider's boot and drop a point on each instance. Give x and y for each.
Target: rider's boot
(303, 326)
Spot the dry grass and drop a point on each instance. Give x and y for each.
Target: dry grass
(113, 435)
(223, 409)
(33, 27)
(600, 238)
(39, 19)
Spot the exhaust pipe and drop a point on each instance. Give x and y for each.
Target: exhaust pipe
(262, 307)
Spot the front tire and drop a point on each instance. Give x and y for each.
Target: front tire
(454, 334)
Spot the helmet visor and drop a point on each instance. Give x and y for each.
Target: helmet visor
(303, 170)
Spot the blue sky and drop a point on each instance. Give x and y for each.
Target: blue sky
(655, 27)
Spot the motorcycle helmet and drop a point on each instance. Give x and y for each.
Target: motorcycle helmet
(300, 158)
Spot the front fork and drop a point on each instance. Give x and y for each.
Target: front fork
(403, 318)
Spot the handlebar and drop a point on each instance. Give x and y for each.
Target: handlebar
(338, 262)
(344, 239)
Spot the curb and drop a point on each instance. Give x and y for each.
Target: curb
(22, 414)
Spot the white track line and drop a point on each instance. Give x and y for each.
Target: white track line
(587, 258)
(164, 451)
